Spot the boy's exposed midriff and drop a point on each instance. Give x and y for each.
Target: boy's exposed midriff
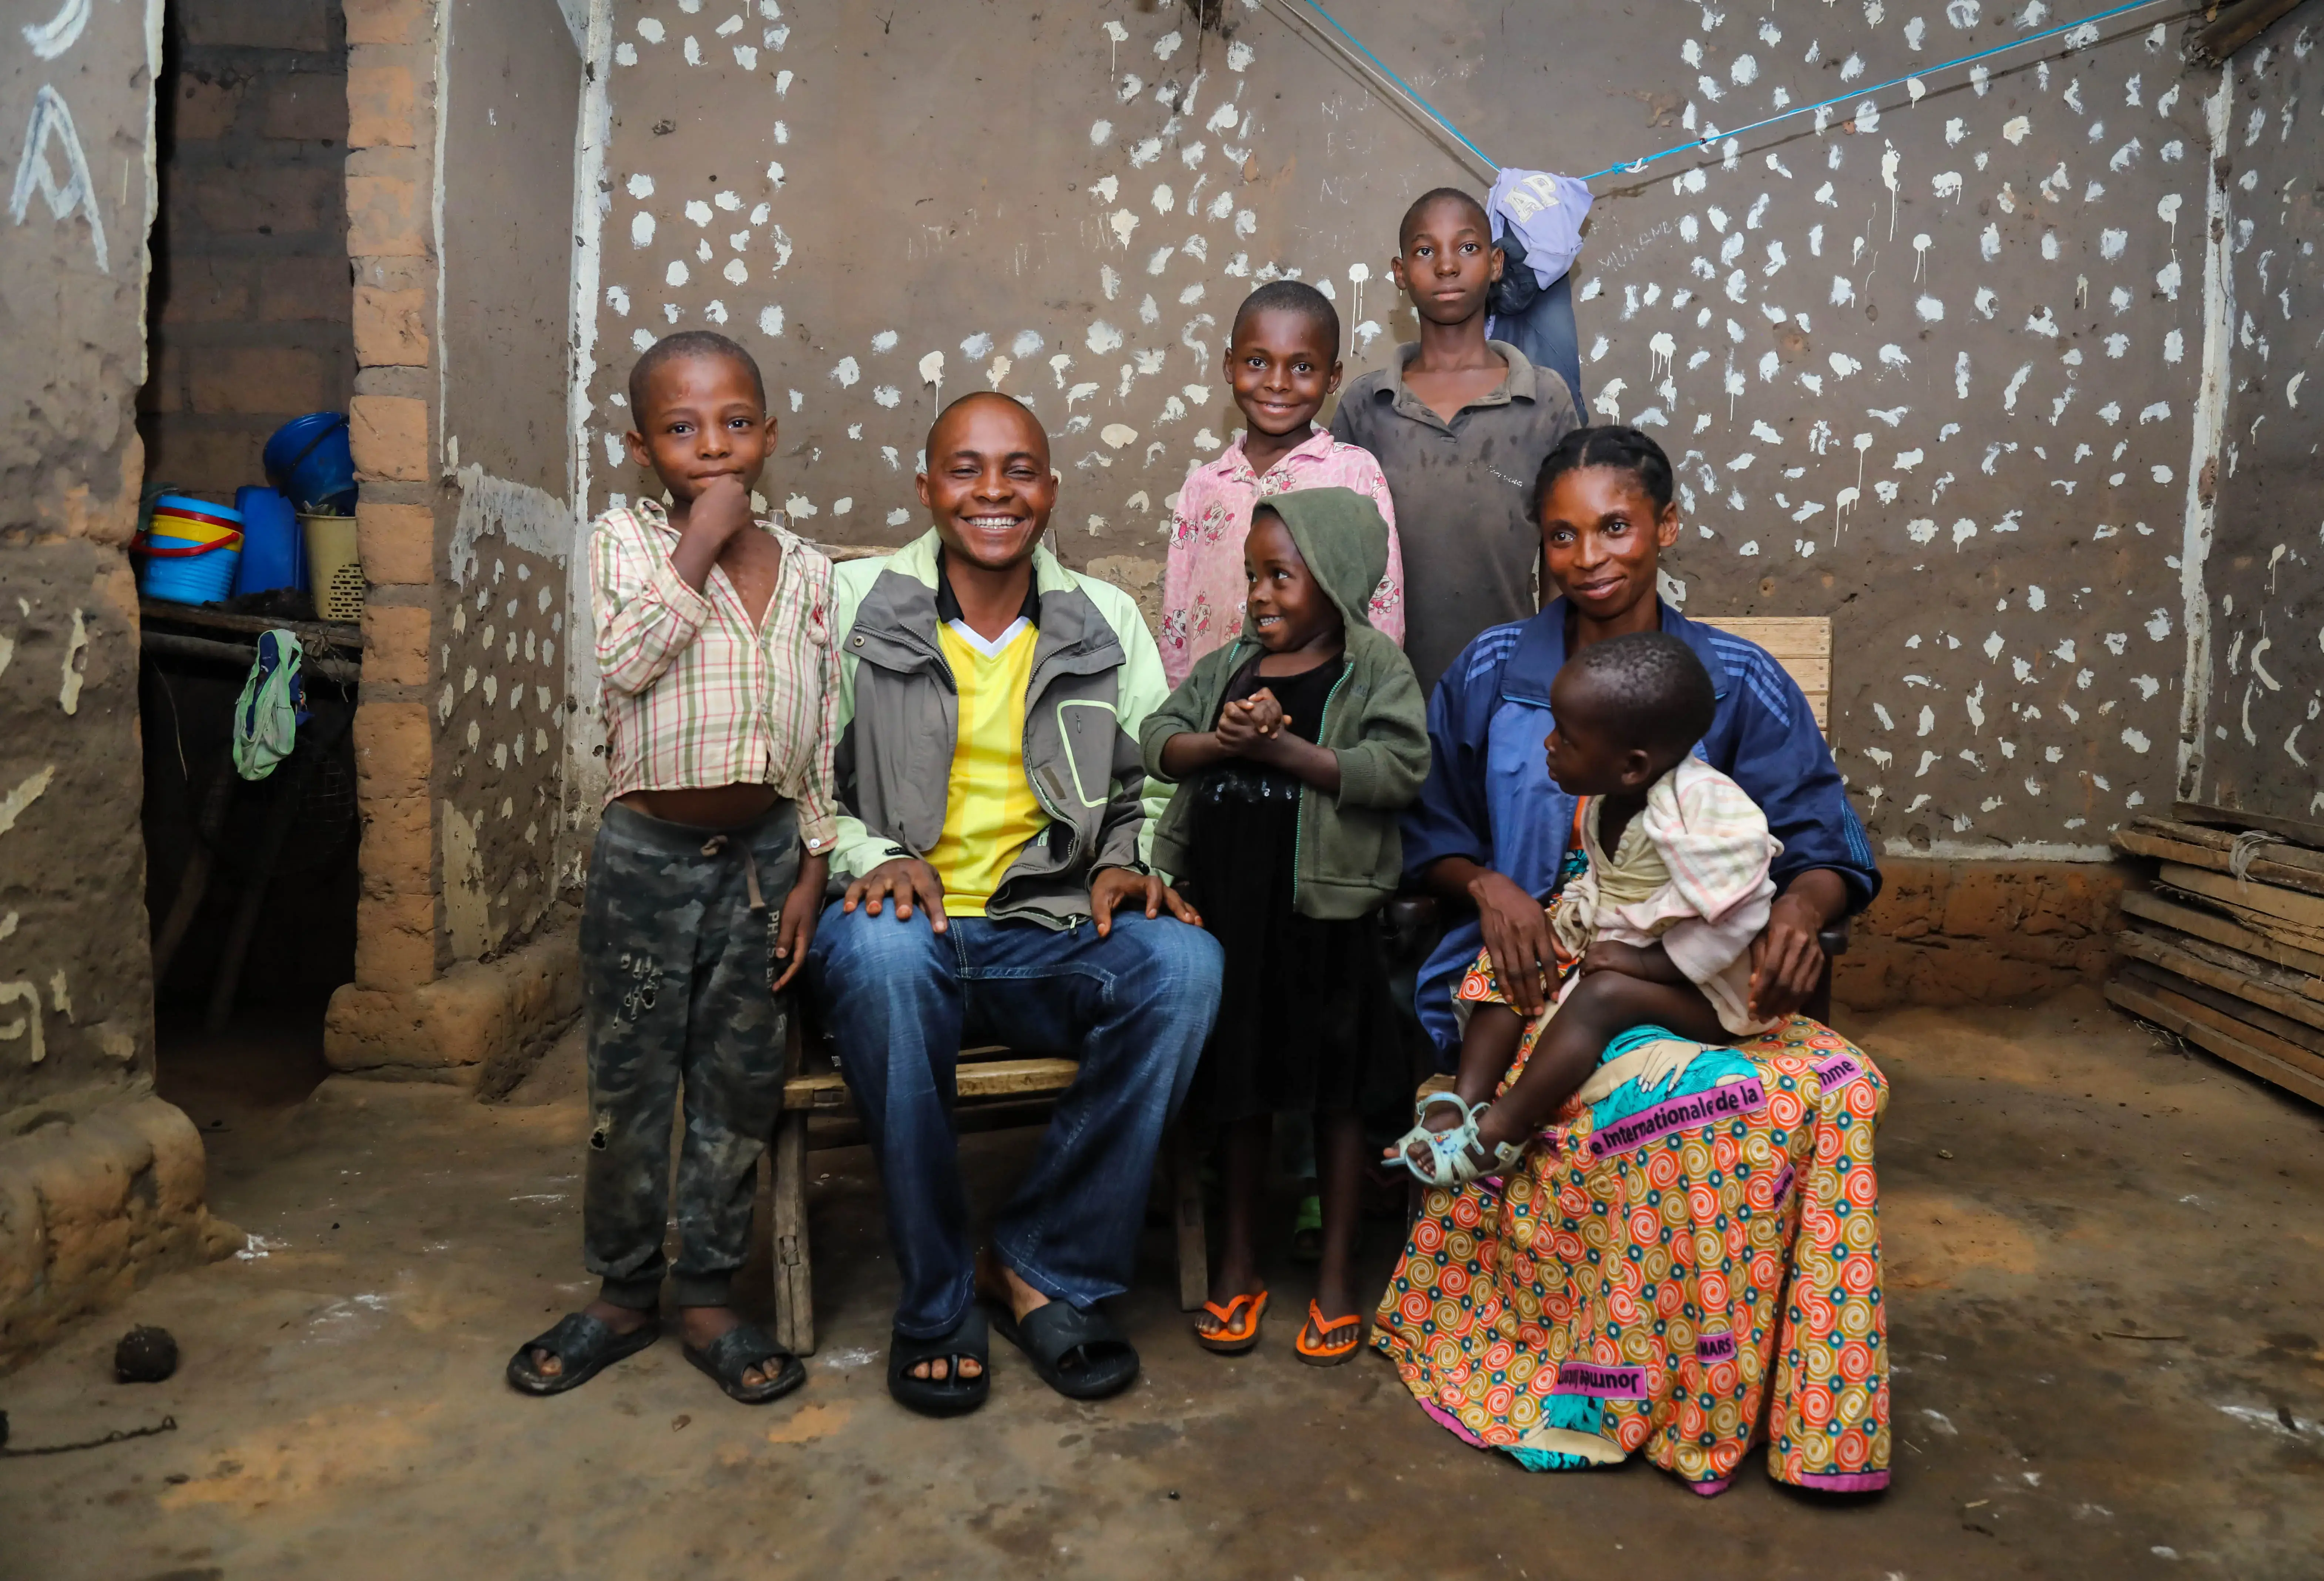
(723, 806)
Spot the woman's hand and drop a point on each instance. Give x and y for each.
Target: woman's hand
(1519, 938)
(1116, 887)
(794, 929)
(909, 881)
(1787, 962)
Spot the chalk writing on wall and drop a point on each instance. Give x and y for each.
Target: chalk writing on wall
(51, 130)
(60, 32)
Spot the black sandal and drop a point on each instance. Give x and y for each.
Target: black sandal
(587, 1345)
(952, 1394)
(735, 1352)
(1078, 1354)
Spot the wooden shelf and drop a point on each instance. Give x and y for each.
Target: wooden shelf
(344, 636)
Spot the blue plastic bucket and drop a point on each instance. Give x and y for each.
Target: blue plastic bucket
(274, 550)
(196, 521)
(185, 572)
(309, 460)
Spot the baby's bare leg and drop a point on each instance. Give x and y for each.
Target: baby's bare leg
(1487, 1047)
(1603, 1005)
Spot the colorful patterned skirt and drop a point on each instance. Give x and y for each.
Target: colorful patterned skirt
(1685, 1263)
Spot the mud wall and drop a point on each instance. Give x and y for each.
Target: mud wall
(1931, 361)
(250, 295)
(100, 1182)
(460, 219)
(460, 198)
(513, 71)
(76, 1013)
(2263, 589)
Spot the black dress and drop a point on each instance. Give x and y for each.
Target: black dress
(1306, 1024)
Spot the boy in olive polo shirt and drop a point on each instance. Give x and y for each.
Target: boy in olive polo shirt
(1459, 426)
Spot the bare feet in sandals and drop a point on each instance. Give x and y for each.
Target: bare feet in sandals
(623, 1321)
(698, 1326)
(1334, 1325)
(1228, 1321)
(939, 1369)
(996, 1282)
(1075, 1350)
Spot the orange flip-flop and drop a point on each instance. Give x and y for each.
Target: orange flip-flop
(1328, 1356)
(1238, 1330)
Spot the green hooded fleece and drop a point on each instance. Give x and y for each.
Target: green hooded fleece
(1349, 856)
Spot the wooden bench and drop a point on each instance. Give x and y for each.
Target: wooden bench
(1802, 644)
(997, 1086)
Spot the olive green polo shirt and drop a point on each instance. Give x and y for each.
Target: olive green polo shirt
(1469, 548)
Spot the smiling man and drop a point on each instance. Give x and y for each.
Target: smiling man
(995, 821)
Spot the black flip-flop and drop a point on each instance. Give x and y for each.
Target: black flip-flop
(952, 1394)
(587, 1345)
(1078, 1354)
(735, 1352)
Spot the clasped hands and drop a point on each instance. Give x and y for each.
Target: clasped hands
(1251, 726)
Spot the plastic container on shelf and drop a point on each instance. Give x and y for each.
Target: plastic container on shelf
(309, 460)
(273, 547)
(333, 568)
(194, 521)
(187, 571)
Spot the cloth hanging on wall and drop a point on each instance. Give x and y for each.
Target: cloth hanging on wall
(272, 705)
(1537, 218)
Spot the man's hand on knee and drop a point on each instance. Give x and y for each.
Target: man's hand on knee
(1117, 886)
(906, 881)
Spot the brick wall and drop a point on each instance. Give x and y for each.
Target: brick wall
(250, 302)
(391, 112)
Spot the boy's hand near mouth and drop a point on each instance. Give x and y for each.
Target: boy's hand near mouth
(710, 521)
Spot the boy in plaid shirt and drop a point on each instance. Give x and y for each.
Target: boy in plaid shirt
(713, 644)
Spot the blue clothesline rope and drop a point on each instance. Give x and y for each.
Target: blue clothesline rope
(1433, 112)
(1859, 95)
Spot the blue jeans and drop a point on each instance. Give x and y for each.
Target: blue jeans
(1134, 1009)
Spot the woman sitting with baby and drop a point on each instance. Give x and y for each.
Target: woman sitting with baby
(1651, 1214)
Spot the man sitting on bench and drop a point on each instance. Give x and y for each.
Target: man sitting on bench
(994, 813)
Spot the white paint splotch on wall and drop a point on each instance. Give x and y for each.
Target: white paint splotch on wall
(2259, 738)
(1912, 363)
(504, 704)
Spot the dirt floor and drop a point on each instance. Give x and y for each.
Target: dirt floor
(2105, 1292)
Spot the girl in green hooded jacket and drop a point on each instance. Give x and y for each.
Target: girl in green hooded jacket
(1295, 748)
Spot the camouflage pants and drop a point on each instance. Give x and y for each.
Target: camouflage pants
(674, 972)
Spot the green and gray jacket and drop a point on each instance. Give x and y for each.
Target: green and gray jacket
(1096, 675)
(1376, 722)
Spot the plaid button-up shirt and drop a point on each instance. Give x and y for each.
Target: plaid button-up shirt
(694, 697)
